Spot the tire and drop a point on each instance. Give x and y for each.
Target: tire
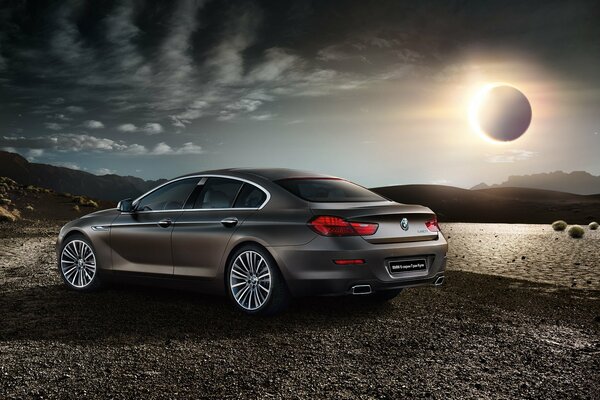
(254, 283)
(385, 295)
(78, 264)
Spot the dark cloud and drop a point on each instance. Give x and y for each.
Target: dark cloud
(69, 142)
(156, 56)
(174, 72)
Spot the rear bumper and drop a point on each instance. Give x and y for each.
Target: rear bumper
(309, 269)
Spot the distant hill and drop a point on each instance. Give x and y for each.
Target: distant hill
(65, 180)
(486, 204)
(24, 204)
(505, 205)
(578, 182)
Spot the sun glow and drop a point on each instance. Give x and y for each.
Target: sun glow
(474, 106)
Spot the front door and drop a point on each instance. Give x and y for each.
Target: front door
(141, 240)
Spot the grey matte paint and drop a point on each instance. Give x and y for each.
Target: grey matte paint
(196, 245)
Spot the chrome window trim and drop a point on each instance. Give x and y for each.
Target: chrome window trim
(202, 180)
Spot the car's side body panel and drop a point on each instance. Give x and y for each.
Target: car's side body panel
(200, 240)
(270, 227)
(140, 244)
(96, 227)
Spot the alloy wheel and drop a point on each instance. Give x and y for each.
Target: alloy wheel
(250, 280)
(78, 263)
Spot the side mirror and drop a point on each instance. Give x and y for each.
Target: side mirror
(125, 205)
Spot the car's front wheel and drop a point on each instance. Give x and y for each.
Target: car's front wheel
(254, 282)
(78, 264)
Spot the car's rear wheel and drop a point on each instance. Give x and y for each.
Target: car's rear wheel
(78, 264)
(254, 282)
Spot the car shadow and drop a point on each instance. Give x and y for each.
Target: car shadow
(141, 314)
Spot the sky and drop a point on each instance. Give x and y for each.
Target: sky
(374, 91)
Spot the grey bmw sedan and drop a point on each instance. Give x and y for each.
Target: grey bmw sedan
(260, 236)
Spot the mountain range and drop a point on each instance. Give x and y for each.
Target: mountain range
(578, 182)
(484, 204)
(66, 180)
(502, 205)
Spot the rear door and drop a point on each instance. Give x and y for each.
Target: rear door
(202, 233)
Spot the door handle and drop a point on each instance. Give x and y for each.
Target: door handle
(229, 222)
(165, 223)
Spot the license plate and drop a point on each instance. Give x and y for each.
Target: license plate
(407, 266)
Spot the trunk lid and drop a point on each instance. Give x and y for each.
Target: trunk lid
(389, 216)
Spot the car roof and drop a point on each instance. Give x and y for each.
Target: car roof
(271, 174)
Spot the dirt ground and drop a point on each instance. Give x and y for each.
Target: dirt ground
(526, 251)
(479, 336)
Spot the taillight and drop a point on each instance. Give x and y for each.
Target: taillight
(433, 225)
(335, 226)
(364, 228)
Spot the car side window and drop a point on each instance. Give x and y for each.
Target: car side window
(169, 197)
(250, 197)
(218, 193)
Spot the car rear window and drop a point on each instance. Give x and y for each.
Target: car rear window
(329, 190)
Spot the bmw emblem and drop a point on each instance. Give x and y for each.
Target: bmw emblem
(404, 224)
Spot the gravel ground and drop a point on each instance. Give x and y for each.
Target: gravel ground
(479, 336)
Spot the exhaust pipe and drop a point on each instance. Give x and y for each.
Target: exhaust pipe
(361, 289)
(439, 281)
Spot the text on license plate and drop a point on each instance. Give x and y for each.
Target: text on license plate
(407, 265)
